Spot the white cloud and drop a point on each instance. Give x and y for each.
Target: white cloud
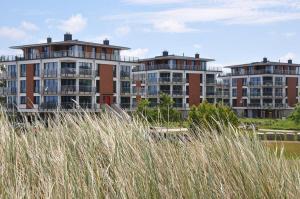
(154, 1)
(123, 30)
(74, 24)
(12, 33)
(139, 52)
(229, 12)
(288, 56)
(28, 26)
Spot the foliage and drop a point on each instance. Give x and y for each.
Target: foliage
(88, 156)
(295, 116)
(164, 112)
(207, 114)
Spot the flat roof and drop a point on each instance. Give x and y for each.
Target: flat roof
(262, 64)
(176, 57)
(70, 42)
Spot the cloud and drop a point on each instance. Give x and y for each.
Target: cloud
(139, 52)
(228, 12)
(74, 24)
(288, 56)
(28, 26)
(12, 33)
(154, 1)
(123, 30)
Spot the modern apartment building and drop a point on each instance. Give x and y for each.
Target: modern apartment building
(187, 79)
(66, 75)
(263, 89)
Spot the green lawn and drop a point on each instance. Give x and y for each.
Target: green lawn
(272, 123)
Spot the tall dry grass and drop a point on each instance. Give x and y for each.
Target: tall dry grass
(84, 156)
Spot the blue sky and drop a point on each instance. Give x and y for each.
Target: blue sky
(230, 31)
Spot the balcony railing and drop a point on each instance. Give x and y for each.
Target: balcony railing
(267, 94)
(125, 105)
(11, 90)
(85, 72)
(68, 89)
(260, 72)
(125, 91)
(164, 79)
(267, 83)
(177, 67)
(86, 89)
(178, 80)
(68, 72)
(70, 53)
(177, 92)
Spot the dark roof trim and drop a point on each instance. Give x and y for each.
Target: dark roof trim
(72, 42)
(262, 64)
(176, 57)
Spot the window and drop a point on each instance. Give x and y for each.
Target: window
(255, 81)
(23, 70)
(51, 99)
(36, 70)
(114, 71)
(23, 86)
(50, 85)
(244, 92)
(255, 92)
(85, 65)
(12, 70)
(152, 77)
(234, 82)
(50, 69)
(36, 100)
(22, 100)
(36, 86)
(234, 92)
(278, 81)
(114, 87)
(278, 92)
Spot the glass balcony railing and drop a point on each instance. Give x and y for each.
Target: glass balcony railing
(85, 72)
(70, 53)
(86, 89)
(68, 89)
(49, 73)
(68, 72)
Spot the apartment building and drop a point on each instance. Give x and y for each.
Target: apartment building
(65, 75)
(188, 80)
(263, 89)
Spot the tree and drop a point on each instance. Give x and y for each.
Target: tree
(295, 116)
(209, 115)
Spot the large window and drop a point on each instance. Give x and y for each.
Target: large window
(23, 100)
(36, 70)
(234, 92)
(50, 85)
(23, 70)
(36, 100)
(85, 65)
(234, 82)
(23, 86)
(255, 81)
(152, 77)
(37, 86)
(255, 92)
(50, 68)
(12, 70)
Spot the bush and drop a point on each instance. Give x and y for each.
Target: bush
(295, 116)
(210, 115)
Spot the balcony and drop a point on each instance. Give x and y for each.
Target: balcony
(267, 94)
(152, 93)
(71, 54)
(125, 91)
(68, 89)
(177, 93)
(177, 67)
(255, 95)
(10, 75)
(164, 80)
(125, 75)
(83, 89)
(68, 72)
(261, 72)
(167, 92)
(49, 106)
(211, 82)
(178, 80)
(267, 83)
(85, 72)
(125, 105)
(140, 91)
(210, 94)
(254, 84)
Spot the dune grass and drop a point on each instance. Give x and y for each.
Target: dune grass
(87, 156)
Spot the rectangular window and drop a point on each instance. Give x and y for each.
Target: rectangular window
(36, 100)
(12, 70)
(37, 86)
(36, 70)
(114, 87)
(244, 92)
(51, 99)
(23, 86)
(23, 70)
(50, 69)
(234, 82)
(22, 100)
(234, 92)
(50, 85)
(255, 81)
(114, 71)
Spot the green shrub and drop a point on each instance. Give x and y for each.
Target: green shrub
(295, 116)
(208, 115)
